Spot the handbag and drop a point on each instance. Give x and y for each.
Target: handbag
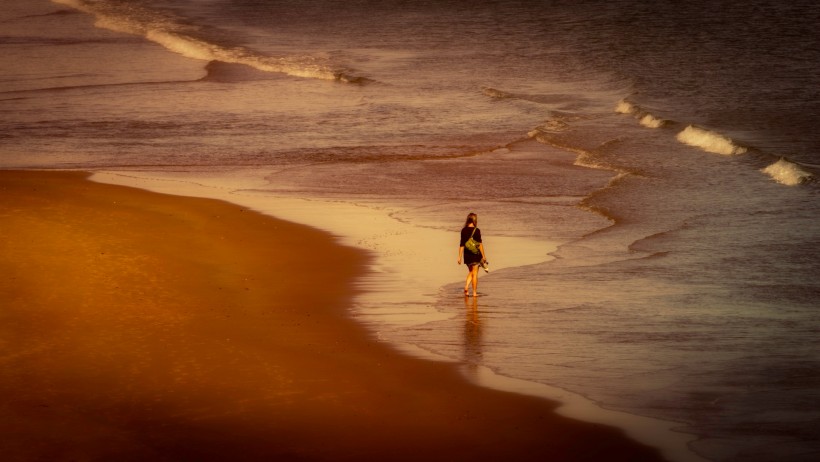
(471, 244)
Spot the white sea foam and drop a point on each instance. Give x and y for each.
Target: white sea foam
(181, 39)
(651, 121)
(187, 47)
(646, 119)
(709, 141)
(542, 132)
(190, 47)
(787, 173)
(625, 107)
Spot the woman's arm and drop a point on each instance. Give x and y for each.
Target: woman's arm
(460, 253)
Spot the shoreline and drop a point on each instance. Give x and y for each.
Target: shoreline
(221, 359)
(403, 287)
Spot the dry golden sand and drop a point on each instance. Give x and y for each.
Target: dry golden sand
(138, 326)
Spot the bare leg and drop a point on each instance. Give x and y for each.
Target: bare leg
(472, 278)
(474, 275)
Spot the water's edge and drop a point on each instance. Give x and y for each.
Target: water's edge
(416, 286)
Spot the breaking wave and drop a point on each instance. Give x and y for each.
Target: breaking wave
(783, 171)
(645, 118)
(651, 121)
(625, 107)
(787, 173)
(709, 141)
(183, 39)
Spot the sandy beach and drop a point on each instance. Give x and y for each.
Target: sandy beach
(139, 326)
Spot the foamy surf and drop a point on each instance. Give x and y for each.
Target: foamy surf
(651, 121)
(783, 171)
(709, 141)
(164, 30)
(625, 107)
(787, 173)
(644, 118)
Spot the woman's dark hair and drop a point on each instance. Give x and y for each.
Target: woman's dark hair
(471, 218)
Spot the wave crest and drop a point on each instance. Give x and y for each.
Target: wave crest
(181, 39)
(787, 173)
(645, 118)
(709, 141)
(651, 121)
(625, 107)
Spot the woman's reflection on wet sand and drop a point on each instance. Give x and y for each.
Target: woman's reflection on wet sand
(472, 333)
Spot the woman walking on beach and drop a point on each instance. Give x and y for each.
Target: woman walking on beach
(472, 249)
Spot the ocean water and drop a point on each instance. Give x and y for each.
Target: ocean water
(645, 175)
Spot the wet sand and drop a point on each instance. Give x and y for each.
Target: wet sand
(140, 326)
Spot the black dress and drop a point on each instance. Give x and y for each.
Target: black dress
(469, 257)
